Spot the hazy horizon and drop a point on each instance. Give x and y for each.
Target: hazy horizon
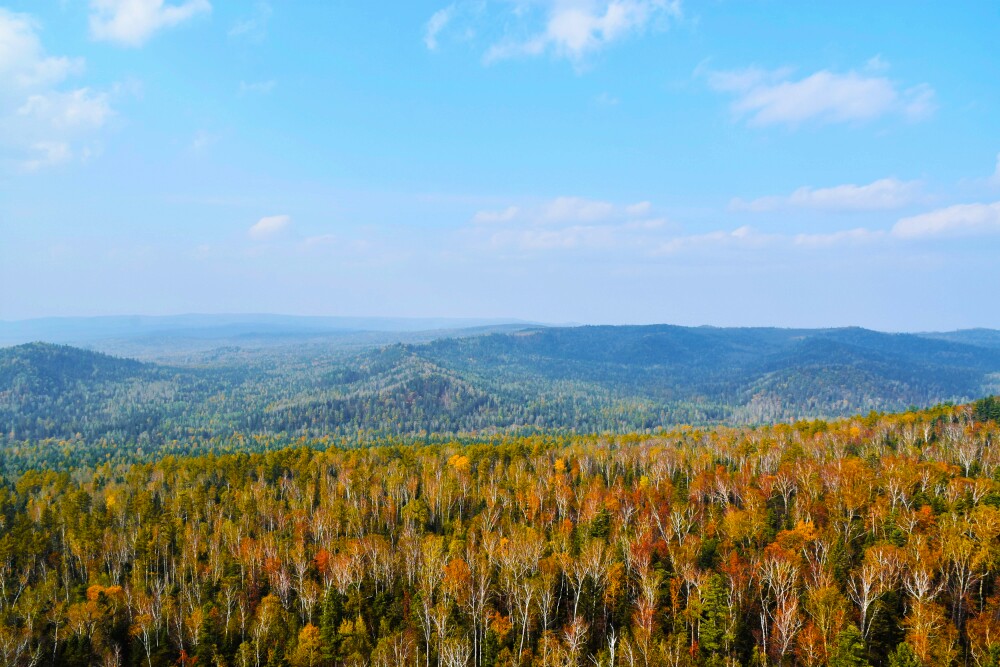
(395, 323)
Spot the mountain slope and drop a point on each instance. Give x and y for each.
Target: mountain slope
(583, 378)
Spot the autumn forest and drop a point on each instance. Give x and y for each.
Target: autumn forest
(863, 541)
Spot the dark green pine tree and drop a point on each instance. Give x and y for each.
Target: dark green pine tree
(850, 649)
(329, 624)
(904, 656)
(714, 617)
(987, 409)
(208, 637)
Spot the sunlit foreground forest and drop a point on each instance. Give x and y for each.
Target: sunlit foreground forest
(871, 540)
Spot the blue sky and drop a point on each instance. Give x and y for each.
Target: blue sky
(623, 161)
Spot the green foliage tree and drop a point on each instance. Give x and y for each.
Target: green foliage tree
(904, 656)
(850, 649)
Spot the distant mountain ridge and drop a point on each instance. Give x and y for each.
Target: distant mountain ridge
(83, 330)
(590, 378)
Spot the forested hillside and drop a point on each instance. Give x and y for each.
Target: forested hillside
(579, 379)
(868, 541)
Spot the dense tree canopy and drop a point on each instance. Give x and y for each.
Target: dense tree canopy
(869, 541)
(573, 380)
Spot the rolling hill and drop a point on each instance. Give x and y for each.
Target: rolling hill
(586, 379)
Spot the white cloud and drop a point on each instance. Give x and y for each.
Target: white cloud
(319, 240)
(573, 210)
(957, 220)
(884, 194)
(253, 28)
(132, 22)
(569, 223)
(48, 154)
(80, 108)
(577, 224)
(42, 125)
(574, 28)
(203, 140)
(269, 227)
(877, 63)
(771, 98)
(849, 236)
(590, 210)
(748, 238)
(257, 87)
(639, 208)
(606, 100)
(575, 236)
(435, 25)
(741, 236)
(489, 217)
(576, 209)
(646, 223)
(23, 62)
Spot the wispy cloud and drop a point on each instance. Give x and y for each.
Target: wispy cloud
(574, 236)
(203, 140)
(269, 227)
(995, 178)
(47, 154)
(81, 108)
(606, 100)
(574, 28)
(744, 236)
(960, 220)
(856, 236)
(747, 238)
(568, 223)
(133, 22)
(559, 210)
(883, 194)
(957, 220)
(577, 224)
(777, 98)
(257, 87)
(42, 124)
(639, 208)
(23, 61)
(319, 240)
(570, 29)
(490, 217)
(576, 209)
(435, 25)
(253, 27)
